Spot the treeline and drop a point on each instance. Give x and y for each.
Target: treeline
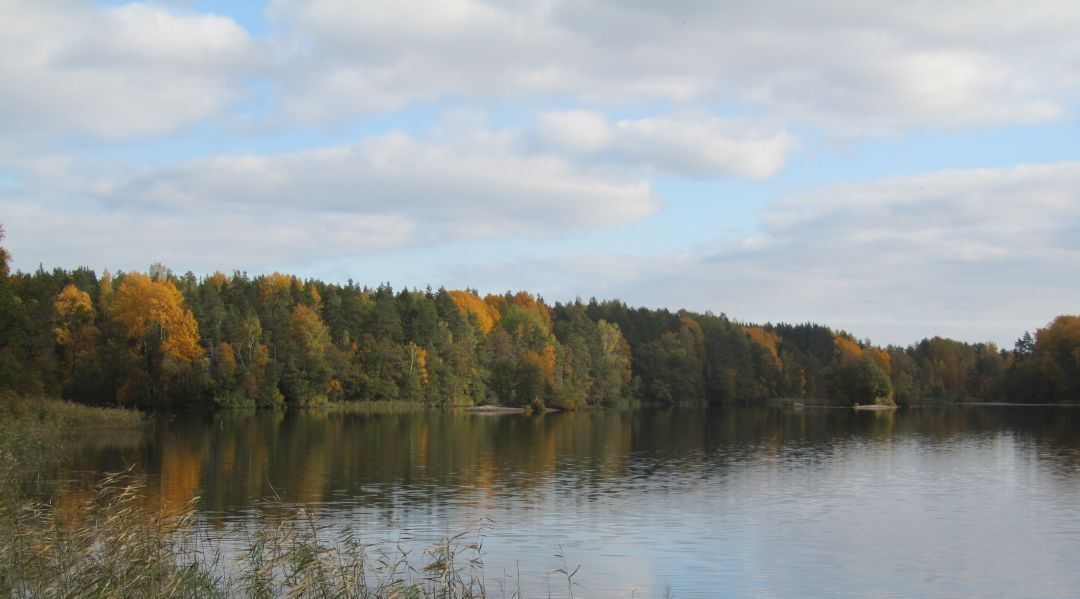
(156, 339)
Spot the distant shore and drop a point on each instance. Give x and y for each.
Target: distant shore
(1008, 404)
(504, 410)
(873, 407)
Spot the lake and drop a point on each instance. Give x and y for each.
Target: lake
(742, 502)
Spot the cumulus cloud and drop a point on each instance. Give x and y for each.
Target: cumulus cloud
(973, 215)
(575, 131)
(115, 72)
(694, 147)
(384, 192)
(850, 66)
(970, 249)
(980, 254)
(63, 231)
(476, 188)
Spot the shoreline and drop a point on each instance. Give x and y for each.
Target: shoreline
(1008, 404)
(494, 410)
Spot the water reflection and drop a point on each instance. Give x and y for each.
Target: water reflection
(973, 500)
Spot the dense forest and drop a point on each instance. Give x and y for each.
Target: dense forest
(157, 339)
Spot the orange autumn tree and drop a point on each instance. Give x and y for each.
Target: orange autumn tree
(160, 334)
(482, 314)
(848, 350)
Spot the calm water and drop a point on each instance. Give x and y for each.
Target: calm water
(958, 501)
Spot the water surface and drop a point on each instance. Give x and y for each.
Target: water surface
(957, 501)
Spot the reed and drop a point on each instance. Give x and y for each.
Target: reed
(113, 546)
(65, 414)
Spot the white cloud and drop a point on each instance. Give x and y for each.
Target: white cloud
(575, 131)
(696, 146)
(849, 66)
(61, 231)
(69, 67)
(259, 211)
(983, 248)
(703, 148)
(483, 187)
(979, 254)
(1011, 205)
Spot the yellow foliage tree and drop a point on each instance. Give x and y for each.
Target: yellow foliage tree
(73, 326)
(848, 350)
(218, 280)
(496, 302)
(499, 304)
(226, 358)
(484, 315)
(276, 282)
(306, 371)
(316, 299)
(72, 311)
(153, 311)
(527, 301)
(767, 340)
(416, 358)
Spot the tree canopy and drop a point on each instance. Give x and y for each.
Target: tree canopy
(160, 339)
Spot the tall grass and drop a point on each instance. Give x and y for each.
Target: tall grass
(34, 432)
(65, 414)
(295, 556)
(113, 546)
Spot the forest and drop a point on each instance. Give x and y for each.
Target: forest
(161, 340)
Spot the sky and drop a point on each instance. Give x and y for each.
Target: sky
(898, 170)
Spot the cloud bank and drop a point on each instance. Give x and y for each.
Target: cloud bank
(384, 192)
(981, 254)
(137, 69)
(855, 67)
(847, 67)
(700, 147)
(162, 131)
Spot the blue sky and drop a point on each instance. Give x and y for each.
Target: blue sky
(897, 171)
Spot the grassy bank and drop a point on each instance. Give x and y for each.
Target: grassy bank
(68, 416)
(34, 432)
